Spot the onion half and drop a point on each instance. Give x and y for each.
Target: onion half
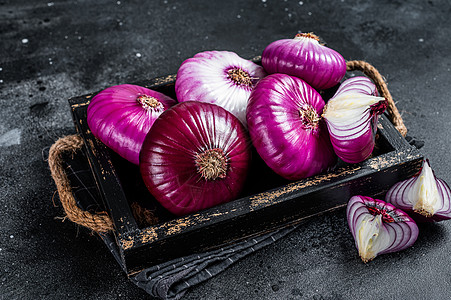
(218, 77)
(425, 197)
(379, 227)
(195, 156)
(120, 116)
(283, 117)
(306, 58)
(351, 116)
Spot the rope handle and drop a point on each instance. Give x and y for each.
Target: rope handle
(101, 222)
(98, 222)
(376, 77)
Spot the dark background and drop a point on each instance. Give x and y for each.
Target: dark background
(50, 51)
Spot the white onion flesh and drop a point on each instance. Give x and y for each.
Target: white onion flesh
(352, 119)
(379, 227)
(424, 195)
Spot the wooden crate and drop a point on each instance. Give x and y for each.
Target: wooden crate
(268, 202)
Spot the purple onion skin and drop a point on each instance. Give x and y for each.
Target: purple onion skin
(117, 118)
(318, 65)
(278, 133)
(205, 78)
(168, 157)
(399, 231)
(358, 84)
(398, 195)
(356, 154)
(350, 148)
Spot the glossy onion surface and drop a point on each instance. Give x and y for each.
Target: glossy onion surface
(120, 116)
(219, 77)
(180, 148)
(284, 123)
(424, 196)
(351, 116)
(379, 227)
(306, 58)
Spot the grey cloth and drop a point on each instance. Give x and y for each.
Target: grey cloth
(172, 279)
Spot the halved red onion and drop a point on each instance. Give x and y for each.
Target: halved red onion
(284, 123)
(120, 116)
(306, 58)
(424, 196)
(196, 155)
(218, 77)
(351, 116)
(379, 227)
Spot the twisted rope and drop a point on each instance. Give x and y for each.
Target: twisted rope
(100, 221)
(376, 77)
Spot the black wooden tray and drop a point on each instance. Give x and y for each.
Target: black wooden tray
(268, 202)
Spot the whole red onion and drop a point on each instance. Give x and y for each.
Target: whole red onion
(120, 116)
(284, 123)
(306, 58)
(218, 77)
(195, 156)
(351, 116)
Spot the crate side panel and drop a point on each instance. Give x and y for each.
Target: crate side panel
(289, 209)
(104, 173)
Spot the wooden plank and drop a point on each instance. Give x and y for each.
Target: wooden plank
(266, 211)
(104, 172)
(395, 139)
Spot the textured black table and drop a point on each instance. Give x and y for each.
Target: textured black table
(51, 51)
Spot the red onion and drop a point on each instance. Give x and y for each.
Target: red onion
(218, 77)
(351, 116)
(196, 155)
(379, 227)
(120, 116)
(283, 117)
(306, 58)
(424, 196)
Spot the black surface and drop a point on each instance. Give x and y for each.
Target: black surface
(51, 51)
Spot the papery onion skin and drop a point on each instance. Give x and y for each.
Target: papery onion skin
(278, 130)
(379, 227)
(171, 157)
(351, 116)
(209, 77)
(118, 118)
(424, 197)
(306, 58)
